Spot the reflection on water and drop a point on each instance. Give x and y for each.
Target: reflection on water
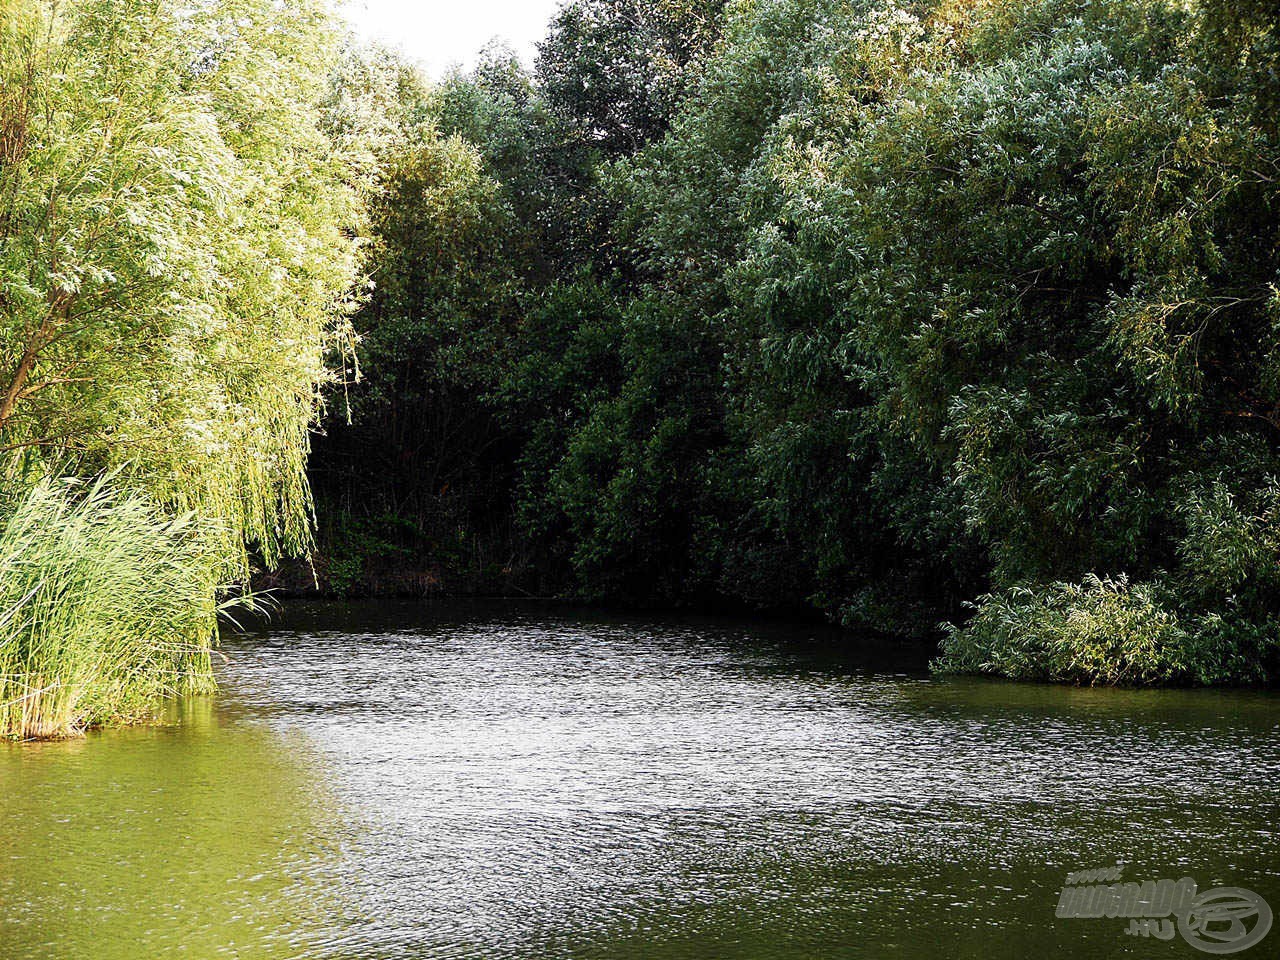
(201, 840)
(384, 782)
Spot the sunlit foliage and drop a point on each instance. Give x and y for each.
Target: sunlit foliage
(175, 249)
(178, 250)
(107, 605)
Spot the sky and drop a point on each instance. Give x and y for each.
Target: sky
(439, 33)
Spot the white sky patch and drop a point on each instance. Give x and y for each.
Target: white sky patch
(439, 34)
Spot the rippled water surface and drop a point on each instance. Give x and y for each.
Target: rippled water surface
(392, 782)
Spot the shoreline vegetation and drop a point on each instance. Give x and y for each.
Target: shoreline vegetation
(180, 236)
(905, 312)
(109, 607)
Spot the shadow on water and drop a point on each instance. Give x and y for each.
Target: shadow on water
(399, 781)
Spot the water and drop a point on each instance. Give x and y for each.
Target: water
(389, 782)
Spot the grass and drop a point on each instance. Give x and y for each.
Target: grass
(107, 606)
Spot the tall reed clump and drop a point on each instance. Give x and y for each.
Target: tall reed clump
(107, 605)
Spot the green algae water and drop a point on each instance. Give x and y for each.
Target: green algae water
(391, 782)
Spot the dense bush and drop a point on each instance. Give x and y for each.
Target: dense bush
(1106, 631)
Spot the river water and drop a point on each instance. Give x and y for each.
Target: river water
(400, 782)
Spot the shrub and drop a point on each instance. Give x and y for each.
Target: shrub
(1100, 631)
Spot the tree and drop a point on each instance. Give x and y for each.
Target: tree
(414, 468)
(179, 241)
(178, 248)
(618, 70)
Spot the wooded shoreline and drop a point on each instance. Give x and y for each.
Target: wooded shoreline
(935, 318)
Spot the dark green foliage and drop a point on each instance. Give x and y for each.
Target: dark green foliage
(878, 307)
(412, 440)
(618, 70)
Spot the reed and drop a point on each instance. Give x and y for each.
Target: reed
(107, 606)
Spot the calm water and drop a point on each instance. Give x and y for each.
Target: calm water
(388, 782)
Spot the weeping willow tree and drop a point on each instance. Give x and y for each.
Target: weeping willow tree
(178, 246)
